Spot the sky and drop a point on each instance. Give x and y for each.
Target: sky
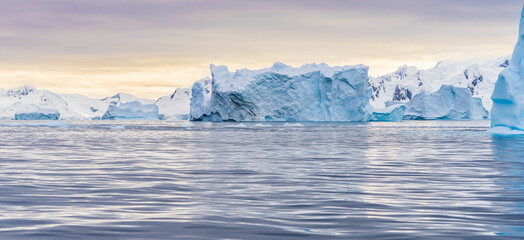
(150, 47)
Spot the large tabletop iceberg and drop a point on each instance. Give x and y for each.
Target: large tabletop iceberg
(508, 97)
(313, 92)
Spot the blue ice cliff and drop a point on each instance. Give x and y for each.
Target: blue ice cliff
(313, 92)
(507, 113)
(34, 112)
(448, 103)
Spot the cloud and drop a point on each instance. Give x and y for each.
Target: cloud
(111, 38)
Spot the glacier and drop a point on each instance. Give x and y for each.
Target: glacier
(131, 110)
(507, 114)
(449, 103)
(313, 92)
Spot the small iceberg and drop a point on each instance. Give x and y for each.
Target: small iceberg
(131, 111)
(448, 103)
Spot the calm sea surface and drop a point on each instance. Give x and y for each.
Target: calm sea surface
(179, 180)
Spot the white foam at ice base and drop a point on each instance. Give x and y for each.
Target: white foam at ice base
(262, 125)
(43, 124)
(505, 131)
(188, 124)
(293, 125)
(241, 125)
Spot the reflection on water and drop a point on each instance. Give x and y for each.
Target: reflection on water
(162, 180)
(509, 153)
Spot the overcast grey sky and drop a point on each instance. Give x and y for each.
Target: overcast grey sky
(150, 47)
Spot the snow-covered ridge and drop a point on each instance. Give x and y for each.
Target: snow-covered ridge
(478, 75)
(30, 102)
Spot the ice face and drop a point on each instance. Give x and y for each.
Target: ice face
(200, 96)
(390, 114)
(132, 110)
(448, 102)
(508, 95)
(314, 92)
(34, 112)
(175, 106)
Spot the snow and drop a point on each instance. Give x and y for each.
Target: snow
(131, 110)
(508, 94)
(26, 100)
(87, 108)
(313, 92)
(449, 102)
(175, 106)
(125, 98)
(478, 75)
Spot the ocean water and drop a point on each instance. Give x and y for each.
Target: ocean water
(180, 180)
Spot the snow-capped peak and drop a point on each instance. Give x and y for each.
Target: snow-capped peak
(19, 91)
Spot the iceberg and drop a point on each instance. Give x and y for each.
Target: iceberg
(449, 102)
(313, 92)
(508, 95)
(131, 110)
(175, 106)
(393, 113)
(200, 97)
(36, 113)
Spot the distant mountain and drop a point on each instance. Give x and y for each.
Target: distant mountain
(479, 76)
(30, 101)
